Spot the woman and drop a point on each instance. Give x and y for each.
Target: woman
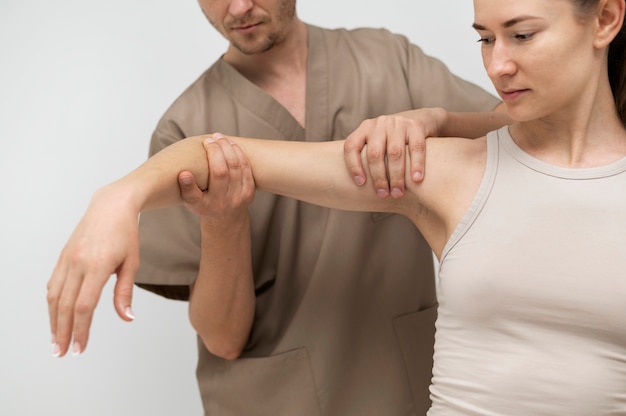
(527, 222)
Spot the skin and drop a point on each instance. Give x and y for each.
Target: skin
(267, 44)
(95, 251)
(524, 48)
(525, 57)
(251, 27)
(396, 139)
(551, 81)
(269, 47)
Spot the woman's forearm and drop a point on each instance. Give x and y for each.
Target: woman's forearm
(313, 172)
(154, 184)
(473, 125)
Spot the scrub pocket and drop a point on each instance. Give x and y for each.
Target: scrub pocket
(281, 384)
(416, 335)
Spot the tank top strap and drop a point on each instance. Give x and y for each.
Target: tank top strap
(491, 167)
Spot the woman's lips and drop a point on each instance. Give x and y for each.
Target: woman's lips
(512, 94)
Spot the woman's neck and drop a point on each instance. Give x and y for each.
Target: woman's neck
(589, 134)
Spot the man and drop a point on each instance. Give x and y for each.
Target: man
(338, 329)
(334, 327)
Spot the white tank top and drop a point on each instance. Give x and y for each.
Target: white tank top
(532, 315)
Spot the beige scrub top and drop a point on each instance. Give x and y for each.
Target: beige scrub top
(346, 304)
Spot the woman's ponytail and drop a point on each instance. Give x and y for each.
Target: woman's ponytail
(617, 72)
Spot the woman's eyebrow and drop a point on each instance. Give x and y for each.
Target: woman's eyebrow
(508, 23)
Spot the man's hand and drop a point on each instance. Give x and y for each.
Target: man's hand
(105, 242)
(386, 138)
(230, 185)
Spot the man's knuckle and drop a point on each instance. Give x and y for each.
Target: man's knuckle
(373, 153)
(349, 145)
(380, 183)
(418, 145)
(220, 173)
(395, 153)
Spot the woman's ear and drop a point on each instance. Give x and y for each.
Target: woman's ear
(610, 18)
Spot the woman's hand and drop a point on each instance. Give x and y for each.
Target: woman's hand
(105, 242)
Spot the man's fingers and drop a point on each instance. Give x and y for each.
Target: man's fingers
(376, 154)
(396, 159)
(352, 148)
(246, 186)
(222, 173)
(218, 167)
(377, 166)
(231, 161)
(189, 190)
(417, 154)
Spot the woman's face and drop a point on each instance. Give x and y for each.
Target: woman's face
(539, 54)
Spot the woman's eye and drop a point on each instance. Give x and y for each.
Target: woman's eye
(523, 36)
(486, 40)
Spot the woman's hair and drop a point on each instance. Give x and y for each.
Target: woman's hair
(617, 72)
(616, 62)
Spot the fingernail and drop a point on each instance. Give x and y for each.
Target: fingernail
(359, 180)
(218, 136)
(396, 192)
(417, 176)
(129, 313)
(186, 180)
(209, 141)
(76, 349)
(56, 350)
(383, 193)
(54, 339)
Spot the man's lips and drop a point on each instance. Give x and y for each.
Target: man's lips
(245, 28)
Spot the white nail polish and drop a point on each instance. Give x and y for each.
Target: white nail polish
(129, 313)
(76, 349)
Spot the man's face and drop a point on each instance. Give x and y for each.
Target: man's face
(251, 26)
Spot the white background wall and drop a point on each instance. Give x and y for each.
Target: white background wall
(82, 85)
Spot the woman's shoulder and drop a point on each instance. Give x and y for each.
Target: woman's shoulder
(453, 173)
(449, 155)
